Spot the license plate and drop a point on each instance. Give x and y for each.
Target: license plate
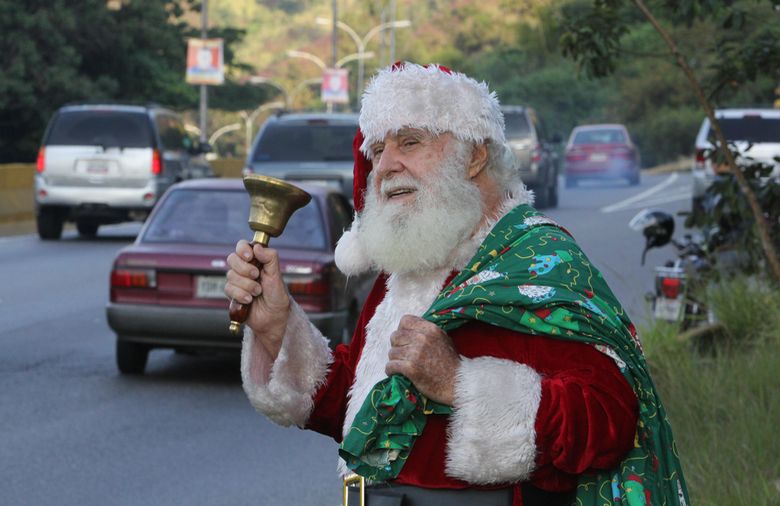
(598, 157)
(667, 309)
(210, 287)
(98, 168)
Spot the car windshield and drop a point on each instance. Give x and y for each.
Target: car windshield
(750, 129)
(516, 125)
(305, 142)
(101, 128)
(220, 217)
(605, 136)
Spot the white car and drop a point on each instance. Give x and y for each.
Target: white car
(754, 132)
(109, 163)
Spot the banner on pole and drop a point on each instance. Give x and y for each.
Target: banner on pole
(205, 64)
(335, 88)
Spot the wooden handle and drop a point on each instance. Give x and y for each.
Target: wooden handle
(240, 312)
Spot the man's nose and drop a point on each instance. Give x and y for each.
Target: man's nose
(389, 162)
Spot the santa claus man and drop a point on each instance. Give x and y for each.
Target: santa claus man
(509, 348)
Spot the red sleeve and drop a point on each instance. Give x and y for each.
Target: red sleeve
(330, 400)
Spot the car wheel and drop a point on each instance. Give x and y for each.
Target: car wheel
(633, 179)
(87, 228)
(49, 223)
(131, 357)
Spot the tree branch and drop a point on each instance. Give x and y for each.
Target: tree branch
(763, 233)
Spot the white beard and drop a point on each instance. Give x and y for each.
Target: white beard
(421, 235)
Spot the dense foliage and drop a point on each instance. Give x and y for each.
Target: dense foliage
(56, 52)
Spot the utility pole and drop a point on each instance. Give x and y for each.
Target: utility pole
(204, 97)
(335, 35)
(392, 31)
(334, 43)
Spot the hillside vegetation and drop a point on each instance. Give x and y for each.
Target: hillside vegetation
(136, 54)
(514, 46)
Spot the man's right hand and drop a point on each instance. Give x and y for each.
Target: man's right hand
(270, 302)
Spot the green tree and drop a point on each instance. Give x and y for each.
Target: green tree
(55, 52)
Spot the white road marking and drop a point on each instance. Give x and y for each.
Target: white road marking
(639, 197)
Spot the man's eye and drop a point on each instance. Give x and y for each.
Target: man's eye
(410, 142)
(376, 152)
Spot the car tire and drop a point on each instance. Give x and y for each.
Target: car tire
(633, 179)
(49, 223)
(87, 228)
(131, 357)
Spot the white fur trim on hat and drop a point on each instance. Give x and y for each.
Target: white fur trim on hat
(432, 99)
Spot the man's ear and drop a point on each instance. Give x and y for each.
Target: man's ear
(479, 159)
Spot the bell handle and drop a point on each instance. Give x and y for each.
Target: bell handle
(238, 311)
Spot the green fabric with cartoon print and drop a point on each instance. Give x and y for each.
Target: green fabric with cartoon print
(530, 276)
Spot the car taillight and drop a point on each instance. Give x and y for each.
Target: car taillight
(575, 155)
(536, 156)
(133, 278)
(40, 163)
(623, 152)
(315, 285)
(671, 287)
(700, 158)
(156, 163)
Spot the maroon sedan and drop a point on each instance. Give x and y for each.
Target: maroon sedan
(601, 152)
(167, 287)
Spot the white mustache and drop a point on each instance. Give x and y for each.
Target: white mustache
(398, 183)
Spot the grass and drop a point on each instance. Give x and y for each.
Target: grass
(724, 400)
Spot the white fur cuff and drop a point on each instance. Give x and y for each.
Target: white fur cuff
(283, 389)
(491, 435)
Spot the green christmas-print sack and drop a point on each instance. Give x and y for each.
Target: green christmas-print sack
(530, 276)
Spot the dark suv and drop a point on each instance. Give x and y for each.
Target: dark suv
(310, 147)
(537, 161)
(109, 163)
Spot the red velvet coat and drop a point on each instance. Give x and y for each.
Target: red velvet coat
(586, 417)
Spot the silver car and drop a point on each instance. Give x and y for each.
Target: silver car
(311, 147)
(101, 164)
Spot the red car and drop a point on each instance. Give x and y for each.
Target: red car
(167, 287)
(601, 152)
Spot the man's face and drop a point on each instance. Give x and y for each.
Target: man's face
(420, 204)
(403, 161)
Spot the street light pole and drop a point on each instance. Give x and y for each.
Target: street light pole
(361, 42)
(273, 84)
(204, 97)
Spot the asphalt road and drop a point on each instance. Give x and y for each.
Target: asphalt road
(75, 432)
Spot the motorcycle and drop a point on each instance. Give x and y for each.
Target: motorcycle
(679, 284)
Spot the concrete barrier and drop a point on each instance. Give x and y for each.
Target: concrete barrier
(17, 202)
(16, 191)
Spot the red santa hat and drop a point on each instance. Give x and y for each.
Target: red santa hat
(429, 97)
